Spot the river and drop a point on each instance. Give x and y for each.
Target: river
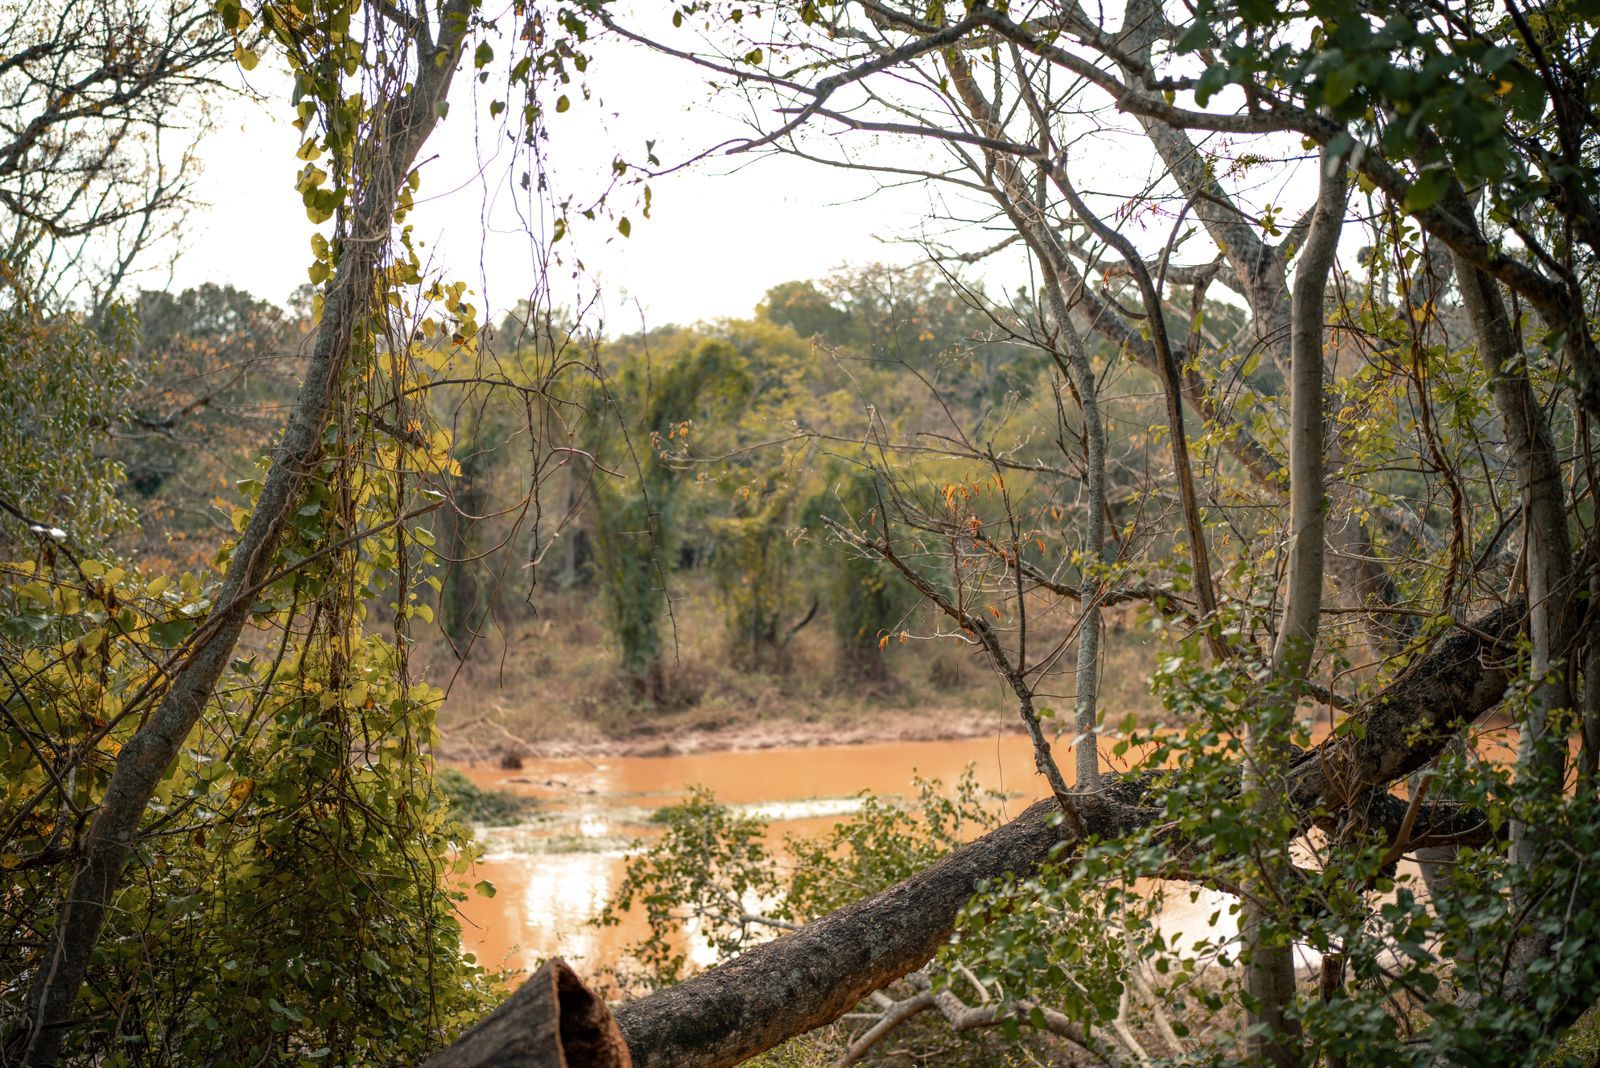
(554, 874)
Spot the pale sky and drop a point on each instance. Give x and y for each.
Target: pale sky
(720, 234)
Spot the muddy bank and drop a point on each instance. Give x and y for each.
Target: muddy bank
(486, 739)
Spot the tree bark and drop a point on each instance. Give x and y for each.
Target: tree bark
(1589, 752)
(1269, 960)
(1547, 548)
(152, 749)
(1074, 363)
(552, 1021)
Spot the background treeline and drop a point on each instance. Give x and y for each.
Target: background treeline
(708, 458)
(679, 549)
(681, 552)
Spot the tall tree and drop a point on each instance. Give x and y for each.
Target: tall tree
(410, 93)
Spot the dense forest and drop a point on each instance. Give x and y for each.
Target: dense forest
(1231, 435)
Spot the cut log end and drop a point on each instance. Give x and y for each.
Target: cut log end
(552, 1021)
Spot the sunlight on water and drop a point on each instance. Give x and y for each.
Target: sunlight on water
(555, 873)
(540, 909)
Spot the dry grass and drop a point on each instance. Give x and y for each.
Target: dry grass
(549, 681)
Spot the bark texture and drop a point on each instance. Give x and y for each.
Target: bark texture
(1546, 546)
(1412, 721)
(552, 1021)
(1269, 963)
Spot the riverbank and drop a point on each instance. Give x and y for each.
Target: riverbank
(550, 686)
(484, 739)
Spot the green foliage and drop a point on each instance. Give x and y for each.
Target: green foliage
(291, 898)
(214, 374)
(630, 572)
(299, 898)
(867, 602)
(916, 317)
(1442, 951)
(753, 559)
(472, 803)
(332, 925)
(710, 863)
(658, 401)
(463, 594)
(292, 895)
(710, 445)
(1455, 102)
(805, 309)
(62, 387)
(712, 868)
(1061, 937)
(885, 841)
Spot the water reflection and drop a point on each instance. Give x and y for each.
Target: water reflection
(540, 908)
(555, 874)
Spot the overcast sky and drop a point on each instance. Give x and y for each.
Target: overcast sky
(720, 233)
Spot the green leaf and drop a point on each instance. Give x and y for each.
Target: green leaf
(171, 633)
(1339, 84)
(1427, 190)
(1195, 37)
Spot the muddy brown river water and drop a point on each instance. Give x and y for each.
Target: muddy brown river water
(554, 873)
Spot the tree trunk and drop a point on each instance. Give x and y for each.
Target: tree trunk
(152, 749)
(1074, 363)
(1269, 957)
(1547, 548)
(552, 1021)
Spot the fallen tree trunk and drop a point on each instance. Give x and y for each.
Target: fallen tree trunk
(1410, 723)
(552, 1021)
(802, 981)
(811, 977)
